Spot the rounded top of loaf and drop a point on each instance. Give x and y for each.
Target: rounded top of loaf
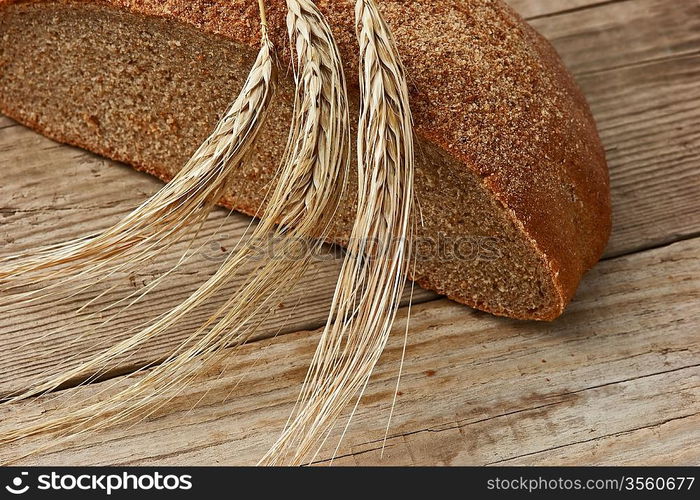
(484, 87)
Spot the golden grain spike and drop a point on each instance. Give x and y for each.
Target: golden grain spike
(372, 277)
(310, 184)
(162, 220)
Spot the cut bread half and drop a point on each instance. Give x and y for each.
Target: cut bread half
(511, 180)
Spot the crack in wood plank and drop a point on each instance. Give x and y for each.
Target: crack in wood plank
(642, 95)
(564, 398)
(598, 438)
(642, 63)
(537, 9)
(456, 370)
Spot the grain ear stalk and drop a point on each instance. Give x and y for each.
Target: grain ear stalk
(372, 277)
(298, 212)
(178, 209)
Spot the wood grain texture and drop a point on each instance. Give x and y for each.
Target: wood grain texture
(618, 34)
(6, 122)
(532, 9)
(39, 206)
(474, 390)
(638, 63)
(648, 119)
(614, 381)
(669, 442)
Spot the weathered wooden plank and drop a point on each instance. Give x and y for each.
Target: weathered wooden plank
(649, 120)
(530, 9)
(584, 418)
(475, 389)
(6, 122)
(673, 441)
(38, 206)
(617, 34)
(52, 192)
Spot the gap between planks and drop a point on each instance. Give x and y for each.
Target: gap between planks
(475, 389)
(535, 9)
(641, 157)
(648, 76)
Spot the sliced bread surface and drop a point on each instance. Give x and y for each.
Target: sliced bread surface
(511, 180)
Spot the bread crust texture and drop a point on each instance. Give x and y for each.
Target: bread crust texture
(486, 90)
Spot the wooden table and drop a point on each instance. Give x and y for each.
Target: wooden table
(614, 381)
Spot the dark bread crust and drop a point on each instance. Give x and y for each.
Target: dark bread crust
(486, 90)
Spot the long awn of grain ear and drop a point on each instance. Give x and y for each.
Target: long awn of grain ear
(181, 203)
(174, 211)
(310, 184)
(372, 277)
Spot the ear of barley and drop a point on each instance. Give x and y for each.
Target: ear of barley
(372, 277)
(310, 183)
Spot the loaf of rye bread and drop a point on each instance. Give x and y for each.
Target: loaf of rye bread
(511, 179)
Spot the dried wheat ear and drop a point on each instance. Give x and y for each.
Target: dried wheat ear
(299, 207)
(372, 277)
(509, 169)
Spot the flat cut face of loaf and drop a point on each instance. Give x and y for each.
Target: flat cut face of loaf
(511, 178)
